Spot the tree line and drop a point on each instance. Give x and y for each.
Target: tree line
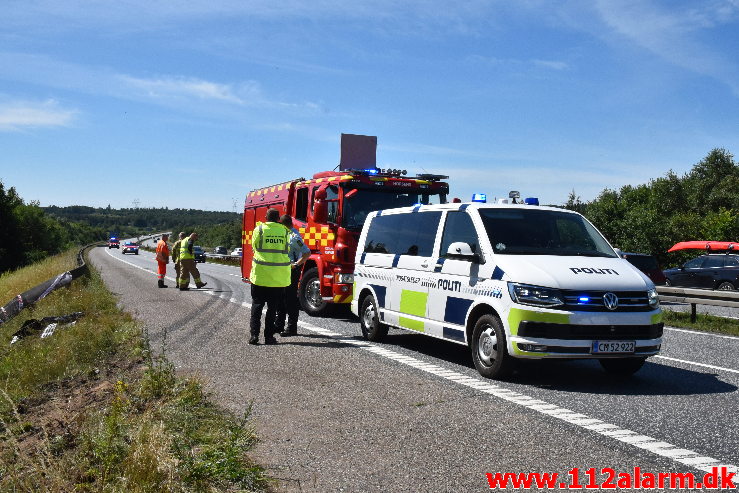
(702, 204)
(28, 234)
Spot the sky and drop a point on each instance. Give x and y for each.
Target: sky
(192, 104)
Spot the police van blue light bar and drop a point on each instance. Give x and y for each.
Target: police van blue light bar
(531, 201)
(479, 197)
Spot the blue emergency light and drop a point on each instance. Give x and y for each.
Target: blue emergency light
(531, 201)
(584, 299)
(371, 171)
(479, 197)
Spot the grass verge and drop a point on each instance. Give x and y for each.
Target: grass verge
(703, 322)
(91, 408)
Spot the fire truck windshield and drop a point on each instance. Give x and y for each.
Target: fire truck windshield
(363, 201)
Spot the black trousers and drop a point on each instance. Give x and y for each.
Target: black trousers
(290, 305)
(260, 296)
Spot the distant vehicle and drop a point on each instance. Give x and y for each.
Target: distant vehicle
(199, 253)
(648, 265)
(130, 247)
(713, 271)
(113, 242)
(237, 252)
(220, 250)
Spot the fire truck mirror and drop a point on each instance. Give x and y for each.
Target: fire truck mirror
(320, 206)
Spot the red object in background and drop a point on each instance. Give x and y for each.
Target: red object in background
(710, 246)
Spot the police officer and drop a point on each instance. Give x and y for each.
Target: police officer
(270, 274)
(176, 257)
(187, 264)
(289, 308)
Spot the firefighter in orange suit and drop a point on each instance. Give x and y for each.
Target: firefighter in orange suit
(162, 260)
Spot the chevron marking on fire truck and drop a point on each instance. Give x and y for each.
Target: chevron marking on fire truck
(315, 236)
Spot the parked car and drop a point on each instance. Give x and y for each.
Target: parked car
(648, 265)
(238, 252)
(220, 250)
(199, 253)
(712, 271)
(130, 247)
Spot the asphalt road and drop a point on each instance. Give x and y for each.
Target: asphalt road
(336, 413)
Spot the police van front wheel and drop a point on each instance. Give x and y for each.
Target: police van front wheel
(369, 318)
(489, 351)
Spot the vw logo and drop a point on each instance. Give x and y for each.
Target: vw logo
(610, 301)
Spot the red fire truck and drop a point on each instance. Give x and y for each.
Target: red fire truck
(329, 210)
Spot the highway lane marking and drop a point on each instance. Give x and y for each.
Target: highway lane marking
(650, 444)
(713, 367)
(629, 437)
(722, 336)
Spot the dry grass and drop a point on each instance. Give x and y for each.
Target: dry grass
(90, 408)
(15, 282)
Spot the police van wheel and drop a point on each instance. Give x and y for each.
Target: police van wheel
(369, 318)
(489, 348)
(622, 366)
(310, 293)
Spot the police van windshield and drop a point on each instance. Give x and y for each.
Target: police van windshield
(543, 232)
(361, 202)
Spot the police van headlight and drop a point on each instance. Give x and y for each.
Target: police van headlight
(342, 278)
(653, 298)
(535, 295)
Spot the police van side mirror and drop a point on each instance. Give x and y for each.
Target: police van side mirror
(461, 251)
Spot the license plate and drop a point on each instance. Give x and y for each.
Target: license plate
(602, 347)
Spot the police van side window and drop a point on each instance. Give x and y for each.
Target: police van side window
(417, 234)
(459, 227)
(382, 234)
(403, 234)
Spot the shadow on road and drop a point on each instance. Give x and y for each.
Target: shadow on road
(581, 376)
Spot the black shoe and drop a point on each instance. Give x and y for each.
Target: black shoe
(184, 288)
(161, 284)
(254, 340)
(270, 340)
(201, 285)
(288, 333)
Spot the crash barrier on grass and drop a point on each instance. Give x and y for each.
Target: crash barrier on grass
(33, 295)
(728, 299)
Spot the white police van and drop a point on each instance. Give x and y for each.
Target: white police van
(508, 280)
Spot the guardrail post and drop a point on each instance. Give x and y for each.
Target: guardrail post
(692, 312)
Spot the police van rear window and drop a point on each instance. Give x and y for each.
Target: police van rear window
(403, 234)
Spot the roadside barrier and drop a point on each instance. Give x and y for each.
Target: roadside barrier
(693, 296)
(36, 293)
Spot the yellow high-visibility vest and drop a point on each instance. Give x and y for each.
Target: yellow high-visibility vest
(270, 265)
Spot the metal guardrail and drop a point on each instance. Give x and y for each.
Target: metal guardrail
(694, 296)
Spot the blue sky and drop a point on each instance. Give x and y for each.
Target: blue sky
(193, 105)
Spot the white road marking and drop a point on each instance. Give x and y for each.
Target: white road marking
(720, 368)
(652, 445)
(710, 334)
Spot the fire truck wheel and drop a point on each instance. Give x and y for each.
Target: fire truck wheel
(369, 319)
(310, 293)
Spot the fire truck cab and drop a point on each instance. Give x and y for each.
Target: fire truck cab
(329, 210)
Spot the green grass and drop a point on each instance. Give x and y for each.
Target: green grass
(15, 282)
(703, 322)
(148, 430)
